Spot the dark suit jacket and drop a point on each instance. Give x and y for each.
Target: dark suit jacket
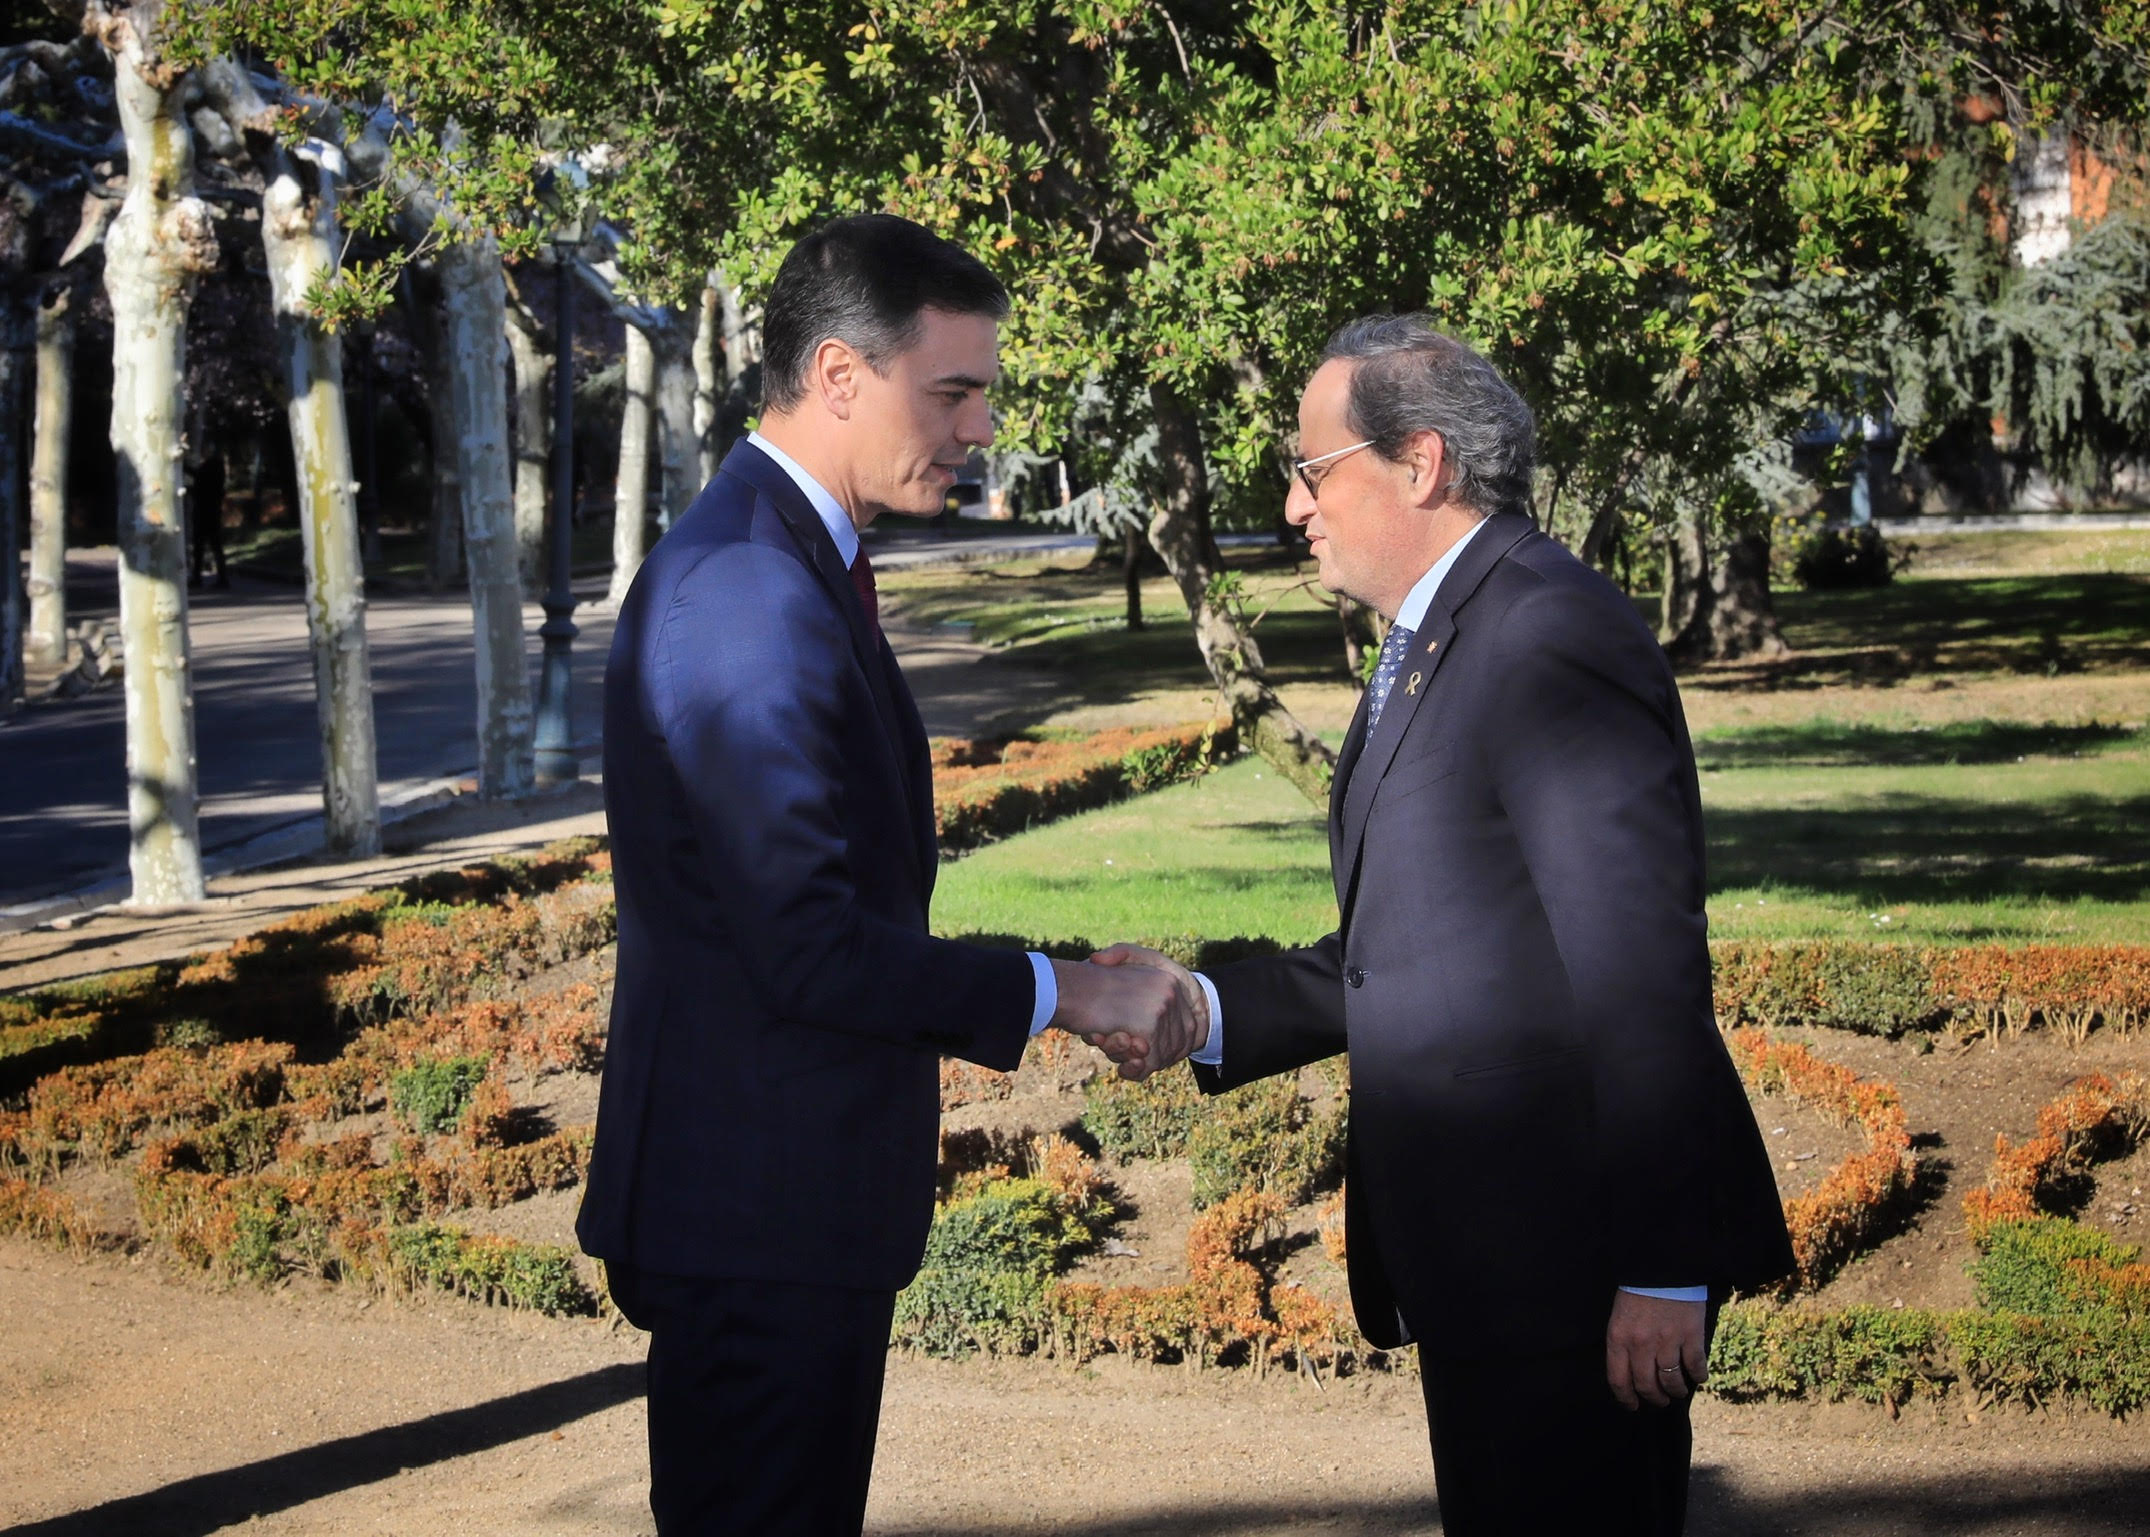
(771, 1088)
(1541, 1106)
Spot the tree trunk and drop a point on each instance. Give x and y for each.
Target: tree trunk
(708, 377)
(17, 358)
(160, 243)
(630, 502)
(1733, 618)
(1687, 565)
(474, 294)
(1131, 546)
(677, 444)
(1181, 534)
(742, 350)
(47, 638)
(444, 547)
(531, 350)
(299, 236)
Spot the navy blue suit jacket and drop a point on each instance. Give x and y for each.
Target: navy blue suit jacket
(770, 1099)
(1541, 1106)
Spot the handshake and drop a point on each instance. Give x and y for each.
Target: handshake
(1142, 1009)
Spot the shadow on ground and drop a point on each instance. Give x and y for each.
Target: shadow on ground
(1915, 848)
(1834, 744)
(194, 1507)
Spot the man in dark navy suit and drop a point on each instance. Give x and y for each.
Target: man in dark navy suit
(763, 1175)
(1553, 1170)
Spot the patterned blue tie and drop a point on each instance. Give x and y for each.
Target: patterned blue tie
(1392, 650)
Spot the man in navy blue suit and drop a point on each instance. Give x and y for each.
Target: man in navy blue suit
(1553, 1170)
(763, 1176)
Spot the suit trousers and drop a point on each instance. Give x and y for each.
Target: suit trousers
(764, 1399)
(1537, 1446)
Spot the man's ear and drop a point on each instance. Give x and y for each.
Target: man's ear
(1429, 468)
(834, 375)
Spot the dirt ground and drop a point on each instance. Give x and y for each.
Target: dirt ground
(134, 1401)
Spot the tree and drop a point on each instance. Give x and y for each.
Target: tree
(160, 243)
(530, 354)
(299, 238)
(630, 501)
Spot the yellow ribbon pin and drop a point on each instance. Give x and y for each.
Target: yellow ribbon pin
(1416, 679)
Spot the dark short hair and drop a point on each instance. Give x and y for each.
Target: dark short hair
(864, 281)
(1410, 378)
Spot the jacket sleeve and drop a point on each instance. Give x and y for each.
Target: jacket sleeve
(1280, 1013)
(748, 687)
(1591, 764)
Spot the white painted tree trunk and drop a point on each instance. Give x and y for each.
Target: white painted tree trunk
(531, 354)
(677, 443)
(630, 501)
(15, 366)
(298, 237)
(159, 245)
(47, 639)
(474, 301)
(708, 376)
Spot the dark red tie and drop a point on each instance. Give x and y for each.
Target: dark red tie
(869, 597)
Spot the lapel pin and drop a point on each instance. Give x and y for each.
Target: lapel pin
(1411, 688)
(1432, 646)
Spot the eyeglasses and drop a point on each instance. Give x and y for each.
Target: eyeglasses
(1313, 482)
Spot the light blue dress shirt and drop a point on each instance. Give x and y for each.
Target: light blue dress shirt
(1046, 998)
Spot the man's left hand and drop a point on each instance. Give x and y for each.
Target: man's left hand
(1655, 1352)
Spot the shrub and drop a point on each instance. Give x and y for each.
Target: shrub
(989, 1265)
(1150, 1119)
(1832, 1221)
(2094, 1118)
(504, 1271)
(1263, 1137)
(2052, 1266)
(1827, 557)
(983, 791)
(430, 1097)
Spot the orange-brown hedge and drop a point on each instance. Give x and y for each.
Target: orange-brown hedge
(1887, 989)
(2094, 1117)
(1830, 1222)
(983, 791)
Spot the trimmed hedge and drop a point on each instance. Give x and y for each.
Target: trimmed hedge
(425, 945)
(2095, 1117)
(1881, 989)
(1831, 1222)
(988, 790)
(1891, 1356)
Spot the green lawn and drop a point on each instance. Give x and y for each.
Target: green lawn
(2045, 848)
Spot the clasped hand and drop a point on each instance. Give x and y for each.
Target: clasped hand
(1142, 1009)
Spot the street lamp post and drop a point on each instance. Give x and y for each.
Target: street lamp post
(556, 759)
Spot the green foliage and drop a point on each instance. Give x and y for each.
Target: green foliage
(989, 1264)
(2050, 1266)
(1266, 1137)
(1149, 1119)
(540, 1277)
(1824, 556)
(430, 1097)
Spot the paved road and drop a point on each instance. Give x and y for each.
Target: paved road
(63, 820)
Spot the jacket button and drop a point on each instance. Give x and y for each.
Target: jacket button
(1353, 977)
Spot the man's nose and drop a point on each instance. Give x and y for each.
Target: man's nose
(976, 425)
(1299, 508)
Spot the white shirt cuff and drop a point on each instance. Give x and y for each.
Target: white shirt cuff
(1211, 1051)
(1672, 1293)
(1046, 1001)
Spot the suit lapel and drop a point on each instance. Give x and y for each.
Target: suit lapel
(884, 681)
(1429, 648)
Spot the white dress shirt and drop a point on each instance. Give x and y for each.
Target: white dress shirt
(1046, 997)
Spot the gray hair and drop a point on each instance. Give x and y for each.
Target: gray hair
(1410, 378)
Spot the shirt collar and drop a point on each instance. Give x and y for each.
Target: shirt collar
(1413, 612)
(833, 516)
